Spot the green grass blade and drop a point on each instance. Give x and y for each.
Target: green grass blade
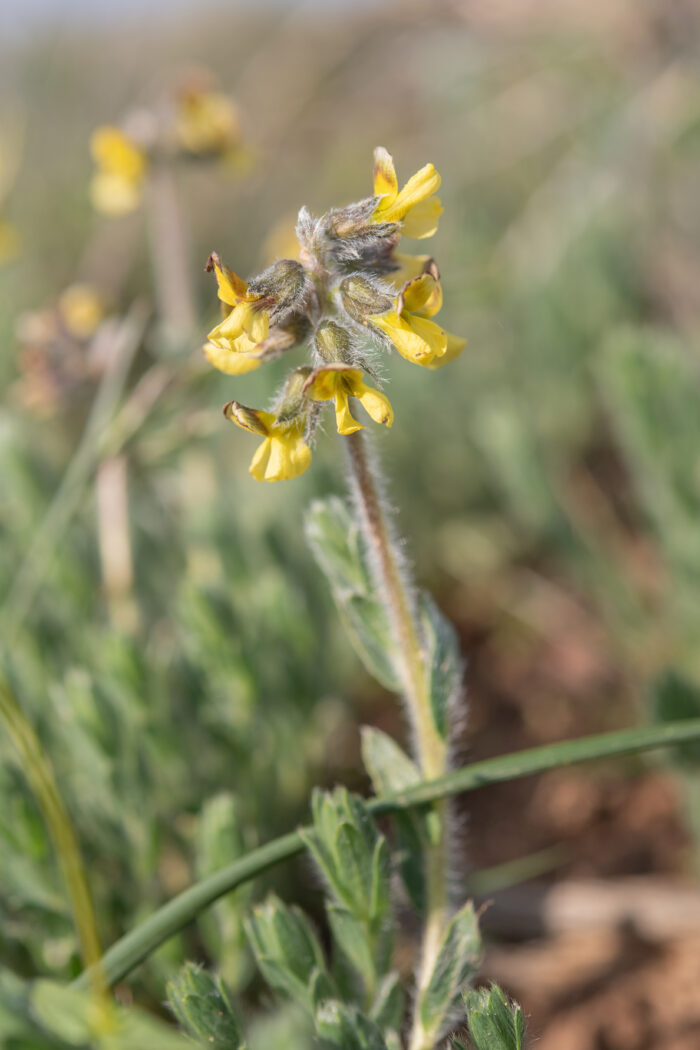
(138, 944)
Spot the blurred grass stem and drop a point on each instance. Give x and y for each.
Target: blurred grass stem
(430, 747)
(44, 544)
(170, 259)
(42, 781)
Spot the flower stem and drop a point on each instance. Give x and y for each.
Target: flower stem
(430, 747)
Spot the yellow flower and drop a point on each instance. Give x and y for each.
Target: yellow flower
(245, 319)
(339, 382)
(414, 206)
(410, 329)
(81, 310)
(207, 121)
(283, 454)
(121, 168)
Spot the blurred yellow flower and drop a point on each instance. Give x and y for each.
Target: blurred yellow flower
(283, 453)
(81, 310)
(339, 382)
(410, 329)
(414, 206)
(121, 168)
(206, 121)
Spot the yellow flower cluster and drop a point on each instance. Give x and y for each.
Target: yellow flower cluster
(203, 123)
(348, 293)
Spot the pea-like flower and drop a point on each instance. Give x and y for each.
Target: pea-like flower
(284, 453)
(121, 169)
(414, 206)
(349, 296)
(409, 327)
(337, 382)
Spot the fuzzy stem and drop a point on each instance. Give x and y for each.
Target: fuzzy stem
(431, 748)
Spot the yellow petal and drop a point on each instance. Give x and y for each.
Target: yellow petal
(232, 288)
(256, 324)
(385, 182)
(433, 303)
(322, 384)
(430, 332)
(375, 404)
(418, 188)
(422, 220)
(409, 343)
(410, 266)
(282, 456)
(345, 421)
(416, 294)
(229, 361)
(231, 327)
(113, 194)
(455, 345)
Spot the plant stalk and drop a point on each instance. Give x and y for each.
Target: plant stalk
(430, 747)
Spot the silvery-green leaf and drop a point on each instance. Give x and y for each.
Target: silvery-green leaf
(494, 1022)
(455, 967)
(444, 663)
(203, 1007)
(336, 541)
(347, 1028)
(388, 1006)
(391, 770)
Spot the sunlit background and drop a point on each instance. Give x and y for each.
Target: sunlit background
(163, 621)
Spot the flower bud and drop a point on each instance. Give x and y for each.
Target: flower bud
(293, 401)
(287, 287)
(333, 343)
(203, 1008)
(361, 299)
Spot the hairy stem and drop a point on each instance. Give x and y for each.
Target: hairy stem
(430, 747)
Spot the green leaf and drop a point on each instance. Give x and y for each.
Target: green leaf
(390, 769)
(336, 541)
(351, 936)
(287, 951)
(388, 1006)
(203, 1007)
(443, 661)
(676, 698)
(494, 1022)
(455, 967)
(347, 1028)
